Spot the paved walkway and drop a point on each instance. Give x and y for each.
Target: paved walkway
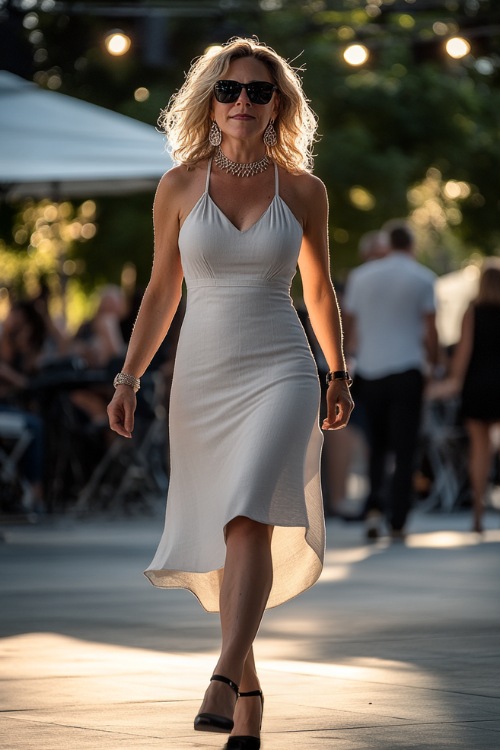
(396, 646)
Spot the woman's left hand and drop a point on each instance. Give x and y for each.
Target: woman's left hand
(339, 405)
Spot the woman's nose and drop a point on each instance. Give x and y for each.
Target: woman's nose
(243, 97)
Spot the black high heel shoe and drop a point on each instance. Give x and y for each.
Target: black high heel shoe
(247, 742)
(206, 722)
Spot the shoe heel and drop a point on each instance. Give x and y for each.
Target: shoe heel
(247, 742)
(208, 722)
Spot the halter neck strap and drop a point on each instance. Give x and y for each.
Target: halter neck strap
(209, 169)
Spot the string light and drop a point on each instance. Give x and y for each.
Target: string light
(117, 43)
(356, 54)
(457, 47)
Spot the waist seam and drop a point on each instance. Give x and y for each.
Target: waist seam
(196, 283)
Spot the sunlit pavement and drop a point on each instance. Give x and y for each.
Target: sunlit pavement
(396, 646)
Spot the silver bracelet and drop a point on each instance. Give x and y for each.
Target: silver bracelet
(124, 379)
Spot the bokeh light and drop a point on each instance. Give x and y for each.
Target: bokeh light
(345, 33)
(361, 198)
(457, 47)
(141, 94)
(117, 43)
(340, 235)
(356, 54)
(440, 28)
(485, 66)
(456, 190)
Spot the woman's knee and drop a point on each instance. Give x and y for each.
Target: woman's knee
(242, 530)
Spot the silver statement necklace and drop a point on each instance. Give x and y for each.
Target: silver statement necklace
(237, 168)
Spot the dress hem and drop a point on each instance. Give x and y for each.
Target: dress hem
(151, 574)
(171, 578)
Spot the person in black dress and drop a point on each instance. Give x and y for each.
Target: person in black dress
(475, 373)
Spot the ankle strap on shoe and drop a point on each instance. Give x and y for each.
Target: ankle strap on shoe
(227, 681)
(251, 694)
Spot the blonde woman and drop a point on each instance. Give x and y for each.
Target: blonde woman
(244, 524)
(475, 372)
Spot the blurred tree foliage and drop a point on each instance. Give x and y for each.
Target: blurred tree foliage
(410, 132)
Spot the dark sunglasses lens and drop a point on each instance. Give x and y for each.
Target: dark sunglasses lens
(227, 91)
(260, 92)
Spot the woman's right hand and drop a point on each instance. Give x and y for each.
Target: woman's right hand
(121, 410)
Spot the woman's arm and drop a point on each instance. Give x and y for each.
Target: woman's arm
(451, 386)
(431, 339)
(320, 298)
(160, 301)
(463, 349)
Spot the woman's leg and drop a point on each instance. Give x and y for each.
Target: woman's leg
(248, 575)
(248, 712)
(479, 466)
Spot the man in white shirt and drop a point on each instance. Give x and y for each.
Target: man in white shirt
(389, 319)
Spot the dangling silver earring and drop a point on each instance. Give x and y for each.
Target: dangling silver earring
(215, 134)
(270, 137)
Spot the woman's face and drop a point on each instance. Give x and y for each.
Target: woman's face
(242, 119)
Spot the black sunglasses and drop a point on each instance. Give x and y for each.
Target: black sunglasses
(259, 92)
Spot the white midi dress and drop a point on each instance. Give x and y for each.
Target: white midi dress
(244, 407)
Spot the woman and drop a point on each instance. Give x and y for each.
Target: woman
(244, 525)
(475, 372)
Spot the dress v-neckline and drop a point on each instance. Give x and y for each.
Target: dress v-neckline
(221, 212)
(205, 196)
(230, 223)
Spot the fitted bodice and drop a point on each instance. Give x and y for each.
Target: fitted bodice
(213, 249)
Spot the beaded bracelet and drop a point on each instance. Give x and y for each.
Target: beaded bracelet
(124, 379)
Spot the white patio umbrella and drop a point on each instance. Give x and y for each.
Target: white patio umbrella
(454, 292)
(56, 146)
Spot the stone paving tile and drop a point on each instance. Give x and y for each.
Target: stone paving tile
(416, 737)
(35, 735)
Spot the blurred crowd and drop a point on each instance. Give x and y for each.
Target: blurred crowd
(54, 390)
(425, 427)
(426, 424)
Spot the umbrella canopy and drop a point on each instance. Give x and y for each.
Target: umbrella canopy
(52, 145)
(454, 292)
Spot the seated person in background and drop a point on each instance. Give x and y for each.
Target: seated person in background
(22, 340)
(100, 339)
(57, 339)
(98, 342)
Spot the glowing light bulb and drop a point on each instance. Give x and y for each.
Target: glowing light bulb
(117, 43)
(356, 54)
(457, 47)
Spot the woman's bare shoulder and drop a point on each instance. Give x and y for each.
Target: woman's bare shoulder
(304, 184)
(304, 193)
(311, 185)
(179, 190)
(180, 180)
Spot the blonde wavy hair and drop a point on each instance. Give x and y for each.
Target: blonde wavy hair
(186, 120)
